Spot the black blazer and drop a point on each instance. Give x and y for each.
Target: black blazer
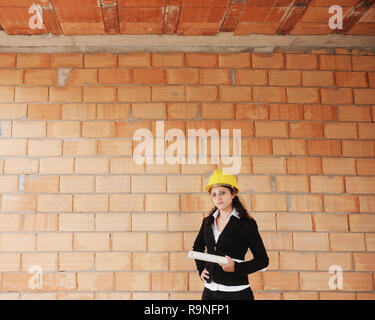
(234, 241)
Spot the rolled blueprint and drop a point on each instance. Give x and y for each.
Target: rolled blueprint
(209, 257)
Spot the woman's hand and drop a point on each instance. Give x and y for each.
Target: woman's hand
(228, 267)
(204, 274)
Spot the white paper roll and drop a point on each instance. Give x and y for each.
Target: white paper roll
(209, 257)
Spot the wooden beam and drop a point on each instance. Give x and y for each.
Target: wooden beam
(294, 14)
(353, 16)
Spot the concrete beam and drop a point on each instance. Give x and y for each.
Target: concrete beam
(223, 42)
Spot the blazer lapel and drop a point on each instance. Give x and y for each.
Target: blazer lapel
(230, 227)
(209, 232)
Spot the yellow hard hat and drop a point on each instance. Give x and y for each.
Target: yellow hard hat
(219, 178)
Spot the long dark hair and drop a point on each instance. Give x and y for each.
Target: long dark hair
(237, 204)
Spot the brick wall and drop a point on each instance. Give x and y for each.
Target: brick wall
(74, 203)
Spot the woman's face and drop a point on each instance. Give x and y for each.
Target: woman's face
(222, 198)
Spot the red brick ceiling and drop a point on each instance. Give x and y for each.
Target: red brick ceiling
(188, 17)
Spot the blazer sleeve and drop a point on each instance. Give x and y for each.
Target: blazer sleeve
(260, 258)
(199, 245)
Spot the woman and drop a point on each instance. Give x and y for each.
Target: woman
(228, 231)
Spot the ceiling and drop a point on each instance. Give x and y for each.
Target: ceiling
(188, 17)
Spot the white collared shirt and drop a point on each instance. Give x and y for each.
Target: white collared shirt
(213, 286)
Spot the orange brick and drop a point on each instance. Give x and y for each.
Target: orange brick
(268, 165)
(93, 241)
(292, 184)
(311, 241)
(17, 242)
(10, 222)
(98, 129)
(12, 147)
(20, 166)
(148, 111)
(301, 61)
(149, 222)
(269, 94)
(217, 111)
(99, 94)
(320, 112)
(76, 222)
(182, 76)
(251, 77)
(324, 184)
(338, 166)
(314, 281)
(8, 184)
(340, 130)
(336, 96)
(12, 111)
(113, 111)
(257, 147)
(297, 261)
(277, 240)
(171, 241)
(150, 261)
(268, 61)
(184, 222)
(59, 282)
(370, 241)
(361, 222)
(11, 77)
(78, 111)
(70, 261)
(306, 129)
(40, 222)
(53, 203)
(364, 96)
(366, 130)
(201, 93)
(54, 241)
(40, 184)
(44, 111)
(234, 60)
(134, 94)
(16, 282)
(155, 202)
(31, 94)
(269, 202)
(33, 60)
(364, 261)
(10, 262)
(7, 94)
(331, 222)
(246, 127)
(366, 166)
(300, 295)
(30, 129)
(128, 202)
(134, 59)
(112, 184)
(129, 241)
(168, 281)
(66, 129)
(182, 110)
(366, 203)
(67, 60)
(347, 241)
(195, 203)
(335, 62)
(280, 281)
(199, 59)
(252, 112)
(168, 59)
(90, 203)
(114, 147)
(360, 184)
(114, 76)
(306, 203)
(182, 184)
(289, 147)
(132, 281)
(363, 63)
(294, 221)
(90, 281)
(285, 78)
(48, 261)
(65, 94)
(371, 79)
(318, 78)
(351, 79)
(303, 95)
(44, 148)
(7, 60)
(83, 147)
(100, 60)
(83, 77)
(215, 76)
(358, 148)
(149, 76)
(108, 261)
(35, 76)
(326, 259)
(354, 113)
(324, 147)
(112, 221)
(271, 129)
(18, 203)
(148, 184)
